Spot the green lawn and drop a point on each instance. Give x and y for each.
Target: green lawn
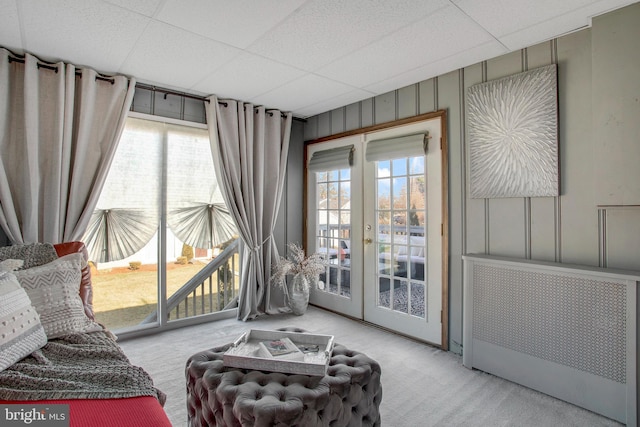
(124, 297)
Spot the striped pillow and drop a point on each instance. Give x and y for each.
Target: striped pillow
(21, 332)
(54, 290)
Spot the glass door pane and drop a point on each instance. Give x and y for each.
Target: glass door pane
(403, 234)
(333, 237)
(199, 228)
(400, 237)
(123, 243)
(334, 203)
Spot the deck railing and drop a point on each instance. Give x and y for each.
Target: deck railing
(212, 289)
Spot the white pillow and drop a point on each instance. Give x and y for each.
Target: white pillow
(11, 264)
(21, 332)
(54, 291)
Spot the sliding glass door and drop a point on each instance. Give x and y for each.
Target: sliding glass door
(160, 222)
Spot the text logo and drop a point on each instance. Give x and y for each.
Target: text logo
(24, 414)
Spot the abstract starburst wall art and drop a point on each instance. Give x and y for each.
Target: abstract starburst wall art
(513, 135)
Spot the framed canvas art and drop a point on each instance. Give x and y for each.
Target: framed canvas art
(513, 135)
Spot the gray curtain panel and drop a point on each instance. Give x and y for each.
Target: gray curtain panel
(60, 129)
(250, 147)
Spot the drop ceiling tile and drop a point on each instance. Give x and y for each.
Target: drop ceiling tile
(559, 25)
(9, 27)
(298, 93)
(247, 76)
(175, 57)
(445, 33)
(501, 17)
(541, 32)
(454, 62)
(84, 32)
(237, 23)
(145, 7)
(347, 98)
(322, 31)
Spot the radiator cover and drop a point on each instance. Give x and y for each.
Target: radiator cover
(567, 331)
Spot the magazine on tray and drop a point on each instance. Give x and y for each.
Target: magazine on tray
(281, 348)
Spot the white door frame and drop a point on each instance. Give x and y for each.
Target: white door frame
(358, 236)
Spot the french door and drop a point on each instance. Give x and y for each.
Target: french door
(376, 212)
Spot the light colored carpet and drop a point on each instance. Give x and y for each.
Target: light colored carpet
(421, 385)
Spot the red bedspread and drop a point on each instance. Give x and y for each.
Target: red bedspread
(143, 411)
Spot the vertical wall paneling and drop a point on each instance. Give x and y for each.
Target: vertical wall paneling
(621, 235)
(324, 124)
(181, 106)
(295, 185)
(167, 105)
(541, 211)
(602, 237)
(366, 112)
(558, 200)
(385, 107)
(142, 101)
(616, 104)
(353, 117)
(476, 233)
(462, 171)
(598, 88)
(193, 110)
(337, 120)
(579, 235)
(506, 215)
(540, 55)
(408, 101)
(426, 98)
(311, 128)
(449, 99)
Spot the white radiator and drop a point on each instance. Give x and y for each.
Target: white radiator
(567, 331)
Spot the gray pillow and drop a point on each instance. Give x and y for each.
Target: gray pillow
(33, 254)
(54, 292)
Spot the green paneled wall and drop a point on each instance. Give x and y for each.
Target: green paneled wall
(598, 82)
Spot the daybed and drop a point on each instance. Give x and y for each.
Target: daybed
(53, 351)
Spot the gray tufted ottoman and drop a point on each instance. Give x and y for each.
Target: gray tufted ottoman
(349, 395)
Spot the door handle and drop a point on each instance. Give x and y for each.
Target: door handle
(368, 241)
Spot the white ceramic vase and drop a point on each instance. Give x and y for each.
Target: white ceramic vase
(299, 294)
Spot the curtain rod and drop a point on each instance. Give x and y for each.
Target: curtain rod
(55, 69)
(198, 97)
(111, 80)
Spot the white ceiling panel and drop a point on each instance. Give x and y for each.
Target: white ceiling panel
(323, 31)
(305, 56)
(84, 32)
(248, 76)
(502, 17)
(438, 36)
(336, 102)
(297, 93)
(168, 54)
(237, 22)
(558, 25)
(443, 66)
(144, 7)
(9, 25)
